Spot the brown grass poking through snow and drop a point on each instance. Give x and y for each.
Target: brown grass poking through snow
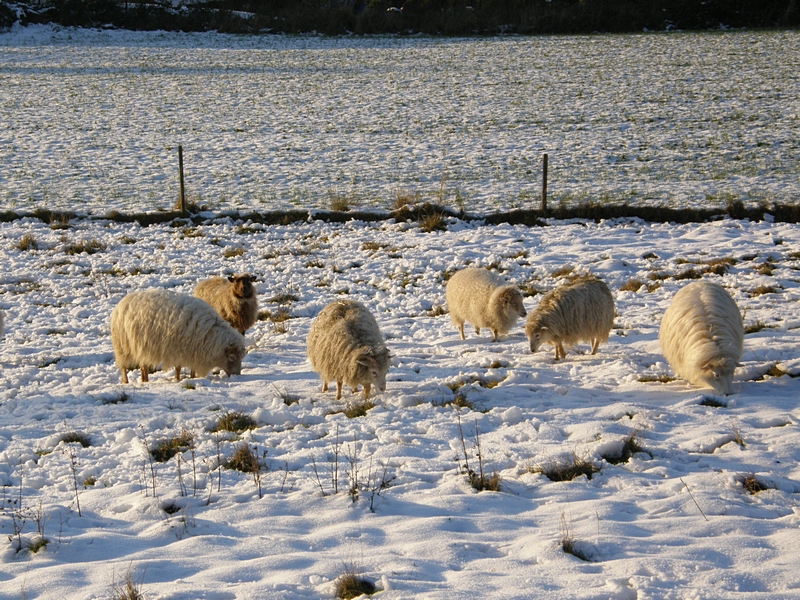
(350, 585)
(566, 470)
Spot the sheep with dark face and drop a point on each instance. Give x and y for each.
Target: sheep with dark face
(345, 344)
(580, 310)
(484, 300)
(234, 298)
(702, 336)
(157, 327)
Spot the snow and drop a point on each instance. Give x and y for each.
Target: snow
(674, 521)
(91, 122)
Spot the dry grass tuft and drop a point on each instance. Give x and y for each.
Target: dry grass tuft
(233, 252)
(339, 202)
(763, 289)
(27, 242)
(632, 285)
(358, 409)
(235, 422)
(563, 271)
(713, 402)
(752, 484)
(84, 246)
(566, 470)
(433, 220)
(350, 585)
(166, 449)
(128, 589)
(755, 327)
(244, 459)
(284, 297)
(568, 542)
(630, 445)
(76, 437)
(663, 378)
(436, 311)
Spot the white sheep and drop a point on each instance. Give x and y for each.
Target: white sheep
(233, 298)
(702, 336)
(580, 310)
(345, 344)
(160, 327)
(484, 300)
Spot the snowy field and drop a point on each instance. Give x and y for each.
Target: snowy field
(674, 521)
(91, 120)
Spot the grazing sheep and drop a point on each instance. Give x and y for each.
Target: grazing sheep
(233, 298)
(346, 345)
(702, 336)
(485, 300)
(581, 310)
(160, 327)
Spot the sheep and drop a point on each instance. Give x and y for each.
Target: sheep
(485, 300)
(346, 345)
(702, 335)
(160, 327)
(580, 310)
(233, 298)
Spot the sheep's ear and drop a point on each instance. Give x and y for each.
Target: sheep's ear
(366, 361)
(253, 278)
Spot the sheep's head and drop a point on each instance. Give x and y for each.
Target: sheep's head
(538, 336)
(718, 375)
(511, 301)
(243, 285)
(375, 366)
(233, 359)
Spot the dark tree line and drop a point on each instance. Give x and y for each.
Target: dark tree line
(442, 17)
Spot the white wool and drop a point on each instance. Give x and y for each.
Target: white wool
(345, 344)
(483, 299)
(158, 327)
(702, 336)
(581, 310)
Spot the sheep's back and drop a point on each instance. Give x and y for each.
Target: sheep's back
(342, 331)
(702, 323)
(578, 311)
(468, 293)
(157, 326)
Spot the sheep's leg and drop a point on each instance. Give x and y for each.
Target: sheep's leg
(192, 373)
(177, 373)
(367, 388)
(338, 389)
(478, 330)
(145, 374)
(124, 373)
(495, 337)
(461, 330)
(595, 344)
(560, 353)
(324, 386)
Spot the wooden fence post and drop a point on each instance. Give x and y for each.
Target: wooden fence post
(544, 186)
(180, 171)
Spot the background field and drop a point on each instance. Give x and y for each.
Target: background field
(92, 119)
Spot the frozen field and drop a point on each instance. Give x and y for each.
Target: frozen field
(91, 120)
(673, 522)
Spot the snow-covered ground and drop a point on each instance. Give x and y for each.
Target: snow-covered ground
(91, 120)
(675, 521)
